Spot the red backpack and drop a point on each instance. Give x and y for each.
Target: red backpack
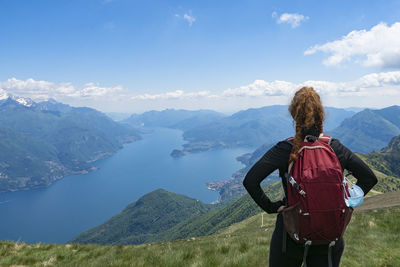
(316, 212)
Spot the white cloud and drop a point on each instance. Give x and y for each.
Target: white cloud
(372, 90)
(380, 79)
(377, 47)
(178, 94)
(374, 86)
(42, 90)
(368, 85)
(190, 19)
(261, 88)
(94, 90)
(293, 20)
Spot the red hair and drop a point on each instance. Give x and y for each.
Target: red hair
(307, 112)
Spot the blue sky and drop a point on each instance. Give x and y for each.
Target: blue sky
(132, 56)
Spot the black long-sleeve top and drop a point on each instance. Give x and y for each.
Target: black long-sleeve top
(278, 158)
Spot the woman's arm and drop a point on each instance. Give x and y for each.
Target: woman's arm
(273, 159)
(366, 178)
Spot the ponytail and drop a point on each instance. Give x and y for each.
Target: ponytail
(307, 112)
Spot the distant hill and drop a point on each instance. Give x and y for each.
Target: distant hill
(42, 142)
(250, 127)
(369, 130)
(335, 116)
(172, 118)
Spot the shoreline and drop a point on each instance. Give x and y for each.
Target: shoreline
(80, 172)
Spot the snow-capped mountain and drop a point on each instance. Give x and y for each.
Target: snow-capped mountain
(18, 101)
(25, 101)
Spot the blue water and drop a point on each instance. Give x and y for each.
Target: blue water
(76, 203)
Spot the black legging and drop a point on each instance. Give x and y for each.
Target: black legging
(317, 254)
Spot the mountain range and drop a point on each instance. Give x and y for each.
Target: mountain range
(363, 131)
(250, 127)
(47, 140)
(42, 142)
(206, 129)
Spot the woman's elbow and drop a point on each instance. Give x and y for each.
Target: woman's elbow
(246, 182)
(375, 181)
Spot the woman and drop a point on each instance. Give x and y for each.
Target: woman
(308, 115)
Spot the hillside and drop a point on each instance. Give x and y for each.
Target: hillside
(242, 244)
(162, 215)
(42, 142)
(369, 130)
(145, 220)
(387, 159)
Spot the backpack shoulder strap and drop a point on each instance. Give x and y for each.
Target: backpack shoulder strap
(290, 140)
(325, 139)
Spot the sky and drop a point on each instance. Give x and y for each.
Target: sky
(134, 56)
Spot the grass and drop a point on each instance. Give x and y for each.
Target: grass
(372, 239)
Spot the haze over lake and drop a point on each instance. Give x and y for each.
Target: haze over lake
(76, 203)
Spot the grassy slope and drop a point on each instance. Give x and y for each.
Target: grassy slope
(211, 222)
(372, 239)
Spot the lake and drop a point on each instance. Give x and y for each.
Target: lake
(76, 203)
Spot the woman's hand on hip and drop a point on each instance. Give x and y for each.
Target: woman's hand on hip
(281, 208)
